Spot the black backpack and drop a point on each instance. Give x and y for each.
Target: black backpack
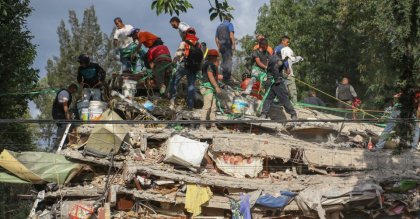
(194, 60)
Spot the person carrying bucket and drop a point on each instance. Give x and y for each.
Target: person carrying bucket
(91, 77)
(260, 60)
(210, 88)
(275, 87)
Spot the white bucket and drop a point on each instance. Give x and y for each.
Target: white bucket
(95, 114)
(96, 108)
(97, 105)
(129, 88)
(82, 105)
(84, 114)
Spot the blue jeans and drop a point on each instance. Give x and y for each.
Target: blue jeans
(390, 126)
(191, 77)
(226, 66)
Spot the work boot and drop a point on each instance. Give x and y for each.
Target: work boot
(172, 104)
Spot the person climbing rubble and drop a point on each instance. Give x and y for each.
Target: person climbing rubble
(225, 41)
(144, 38)
(288, 73)
(123, 44)
(276, 87)
(182, 27)
(160, 61)
(188, 57)
(260, 61)
(91, 77)
(60, 108)
(210, 88)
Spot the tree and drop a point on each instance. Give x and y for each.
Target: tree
(374, 42)
(82, 37)
(17, 77)
(219, 9)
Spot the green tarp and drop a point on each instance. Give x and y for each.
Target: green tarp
(39, 167)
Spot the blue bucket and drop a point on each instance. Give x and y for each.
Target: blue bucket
(149, 105)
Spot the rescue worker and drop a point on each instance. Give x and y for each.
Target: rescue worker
(145, 38)
(60, 107)
(210, 87)
(91, 77)
(189, 58)
(225, 41)
(313, 99)
(346, 93)
(276, 88)
(260, 37)
(160, 61)
(288, 73)
(182, 27)
(259, 68)
(123, 44)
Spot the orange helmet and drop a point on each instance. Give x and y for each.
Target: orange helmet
(213, 52)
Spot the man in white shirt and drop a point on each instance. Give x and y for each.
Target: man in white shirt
(182, 27)
(124, 44)
(287, 52)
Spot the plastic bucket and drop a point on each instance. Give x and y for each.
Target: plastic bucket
(239, 106)
(96, 108)
(95, 114)
(84, 114)
(129, 88)
(149, 105)
(82, 105)
(97, 105)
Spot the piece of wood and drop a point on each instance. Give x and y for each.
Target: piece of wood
(107, 211)
(63, 138)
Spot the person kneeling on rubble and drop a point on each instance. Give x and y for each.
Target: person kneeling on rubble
(60, 107)
(159, 60)
(91, 76)
(276, 87)
(210, 87)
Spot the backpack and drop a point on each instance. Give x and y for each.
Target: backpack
(193, 56)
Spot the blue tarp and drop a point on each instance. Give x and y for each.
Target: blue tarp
(270, 201)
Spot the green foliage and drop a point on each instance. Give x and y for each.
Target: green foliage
(220, 9)
(17, 54)
(358, 39)
(374, 43)
(170, 6)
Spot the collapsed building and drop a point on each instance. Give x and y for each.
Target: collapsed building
(151, 162)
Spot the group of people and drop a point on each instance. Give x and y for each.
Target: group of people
(271, 70)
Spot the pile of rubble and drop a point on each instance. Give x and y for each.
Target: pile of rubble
(246, 169)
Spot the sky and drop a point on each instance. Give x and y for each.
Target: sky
(47, 14)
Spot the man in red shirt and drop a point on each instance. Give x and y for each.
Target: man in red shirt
(160, 61)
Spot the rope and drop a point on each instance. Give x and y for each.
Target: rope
(328, 95)
(35, 92)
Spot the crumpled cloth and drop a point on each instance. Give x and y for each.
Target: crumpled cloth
(195, 197)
